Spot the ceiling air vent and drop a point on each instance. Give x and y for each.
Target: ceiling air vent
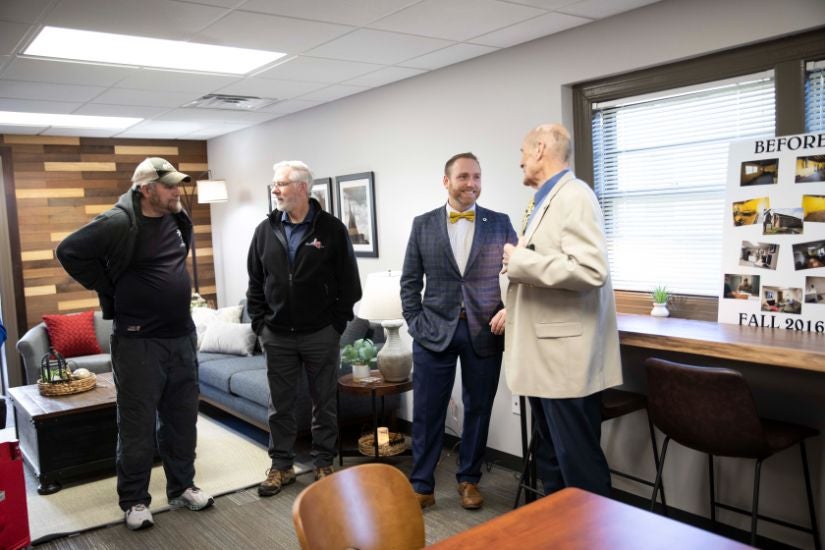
(230, 102)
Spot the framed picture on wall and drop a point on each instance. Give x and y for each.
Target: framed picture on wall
(356, 208)
(270, 200)
(322, 192)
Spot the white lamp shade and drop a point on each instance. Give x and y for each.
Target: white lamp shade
(212, 191)
(382, 297)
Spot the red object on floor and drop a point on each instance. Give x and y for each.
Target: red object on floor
(14, 515)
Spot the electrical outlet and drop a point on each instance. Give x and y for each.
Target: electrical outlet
(516, 405)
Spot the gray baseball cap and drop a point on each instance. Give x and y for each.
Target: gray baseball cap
(157, 169)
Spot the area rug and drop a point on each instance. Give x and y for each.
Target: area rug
(226, 462)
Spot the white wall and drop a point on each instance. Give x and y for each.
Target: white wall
(405, 131)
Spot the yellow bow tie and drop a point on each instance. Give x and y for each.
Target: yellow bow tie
(469, 215)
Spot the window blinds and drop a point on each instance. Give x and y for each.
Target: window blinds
(815, 97)
(660, 170)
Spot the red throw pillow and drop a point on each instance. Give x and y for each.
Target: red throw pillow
(74, 334)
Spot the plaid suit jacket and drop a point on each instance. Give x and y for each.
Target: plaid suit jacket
(432, 319)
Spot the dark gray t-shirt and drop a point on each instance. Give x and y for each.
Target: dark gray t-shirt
(152, 296)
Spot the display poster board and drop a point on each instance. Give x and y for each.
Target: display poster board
(773, 246)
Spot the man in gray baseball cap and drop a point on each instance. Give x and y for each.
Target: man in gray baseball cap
(134, 257)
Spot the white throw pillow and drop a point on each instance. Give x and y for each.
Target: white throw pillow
(233, 338)
(205, 316)
(231, 314)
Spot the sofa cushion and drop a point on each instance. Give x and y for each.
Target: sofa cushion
(74, 334)
(102, 362)
(218, 372)
(234, 338)
(253, 385)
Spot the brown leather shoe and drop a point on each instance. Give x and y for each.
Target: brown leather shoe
(471, 499)
(425, 500)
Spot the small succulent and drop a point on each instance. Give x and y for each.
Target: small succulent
(660, 294)
(360, 352)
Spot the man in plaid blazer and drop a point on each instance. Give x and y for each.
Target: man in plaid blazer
(458, 248)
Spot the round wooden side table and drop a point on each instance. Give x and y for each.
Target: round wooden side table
(375, 389)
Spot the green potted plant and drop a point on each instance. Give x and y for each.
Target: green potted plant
(661, 296)
(361, 355)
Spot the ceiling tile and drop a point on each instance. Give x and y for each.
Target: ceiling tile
(22, 11)
(33, 106)
(291, 106)
(16, 89)
(385, 76)
(599, 9)
(43, 70)
(269, 32)
(10, 36)
(211, 116)
(314, 69)
(214, 131)
(160, 81)
(122, 96)
(456, 19)
(333, 92)
(218, 3)
(448, 56)
(152, 129)
(102, 109)
(363, 45)
(25, 130)
(351, 12)
(530, 30)
(543, 4)
(155, 18)
(269, 88)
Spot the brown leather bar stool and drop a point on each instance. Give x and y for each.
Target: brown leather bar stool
(615, 403)
(711, 410)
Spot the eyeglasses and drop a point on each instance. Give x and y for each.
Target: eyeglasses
(282, 184)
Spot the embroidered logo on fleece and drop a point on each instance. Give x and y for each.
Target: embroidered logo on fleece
(316, 243)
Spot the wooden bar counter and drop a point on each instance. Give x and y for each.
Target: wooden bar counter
(770, 346)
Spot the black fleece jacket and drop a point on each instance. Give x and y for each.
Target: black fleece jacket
(97, 254)
(319, 289)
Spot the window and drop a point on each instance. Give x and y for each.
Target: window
(660, 172)
(815, 97)
(654, 143)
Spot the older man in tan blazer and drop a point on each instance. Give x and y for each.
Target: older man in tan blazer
(561, 341)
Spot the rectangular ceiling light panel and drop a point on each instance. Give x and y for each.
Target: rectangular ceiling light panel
(66, 121)
(121, 49)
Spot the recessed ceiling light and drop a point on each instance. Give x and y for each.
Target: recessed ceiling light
(66, 121)
(121, 49)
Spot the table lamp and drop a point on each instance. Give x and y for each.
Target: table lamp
(382, 302)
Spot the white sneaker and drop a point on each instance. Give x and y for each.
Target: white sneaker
(138, 517)
(193, 498)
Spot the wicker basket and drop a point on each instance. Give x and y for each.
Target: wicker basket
(397, 445)
(67, 388)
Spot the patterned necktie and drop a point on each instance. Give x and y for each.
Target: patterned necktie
(469, 215)
(527, 212)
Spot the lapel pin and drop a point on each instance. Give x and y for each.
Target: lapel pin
(484, 219)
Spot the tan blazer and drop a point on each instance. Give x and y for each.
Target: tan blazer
(561, 338)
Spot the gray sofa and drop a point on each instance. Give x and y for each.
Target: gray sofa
(233, 383)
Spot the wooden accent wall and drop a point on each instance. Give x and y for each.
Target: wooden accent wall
(62, 182)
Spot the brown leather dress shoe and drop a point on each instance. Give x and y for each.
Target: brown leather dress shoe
(425, 500)
(471, 499)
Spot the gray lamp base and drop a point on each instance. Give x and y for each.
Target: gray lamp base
(394, 360)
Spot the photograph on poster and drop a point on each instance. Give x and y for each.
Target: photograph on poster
(356, 208)
(810, 169)
(782, 221)
(762, 255)
(813, 208)
(815, 290)
(809, 255)
(781, 299)
(759, 172)
(741, 287)
(322, 192)
(748, 212)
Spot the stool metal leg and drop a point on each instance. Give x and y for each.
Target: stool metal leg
(712, 483)
(658, 482)
(814, 526)
(655, 455)
(755, 510)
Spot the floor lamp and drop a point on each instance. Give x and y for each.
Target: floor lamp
(208, 191)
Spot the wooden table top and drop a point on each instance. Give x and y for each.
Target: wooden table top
(574, 519)
(381, 387)
(771, 346)
(38, 406)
